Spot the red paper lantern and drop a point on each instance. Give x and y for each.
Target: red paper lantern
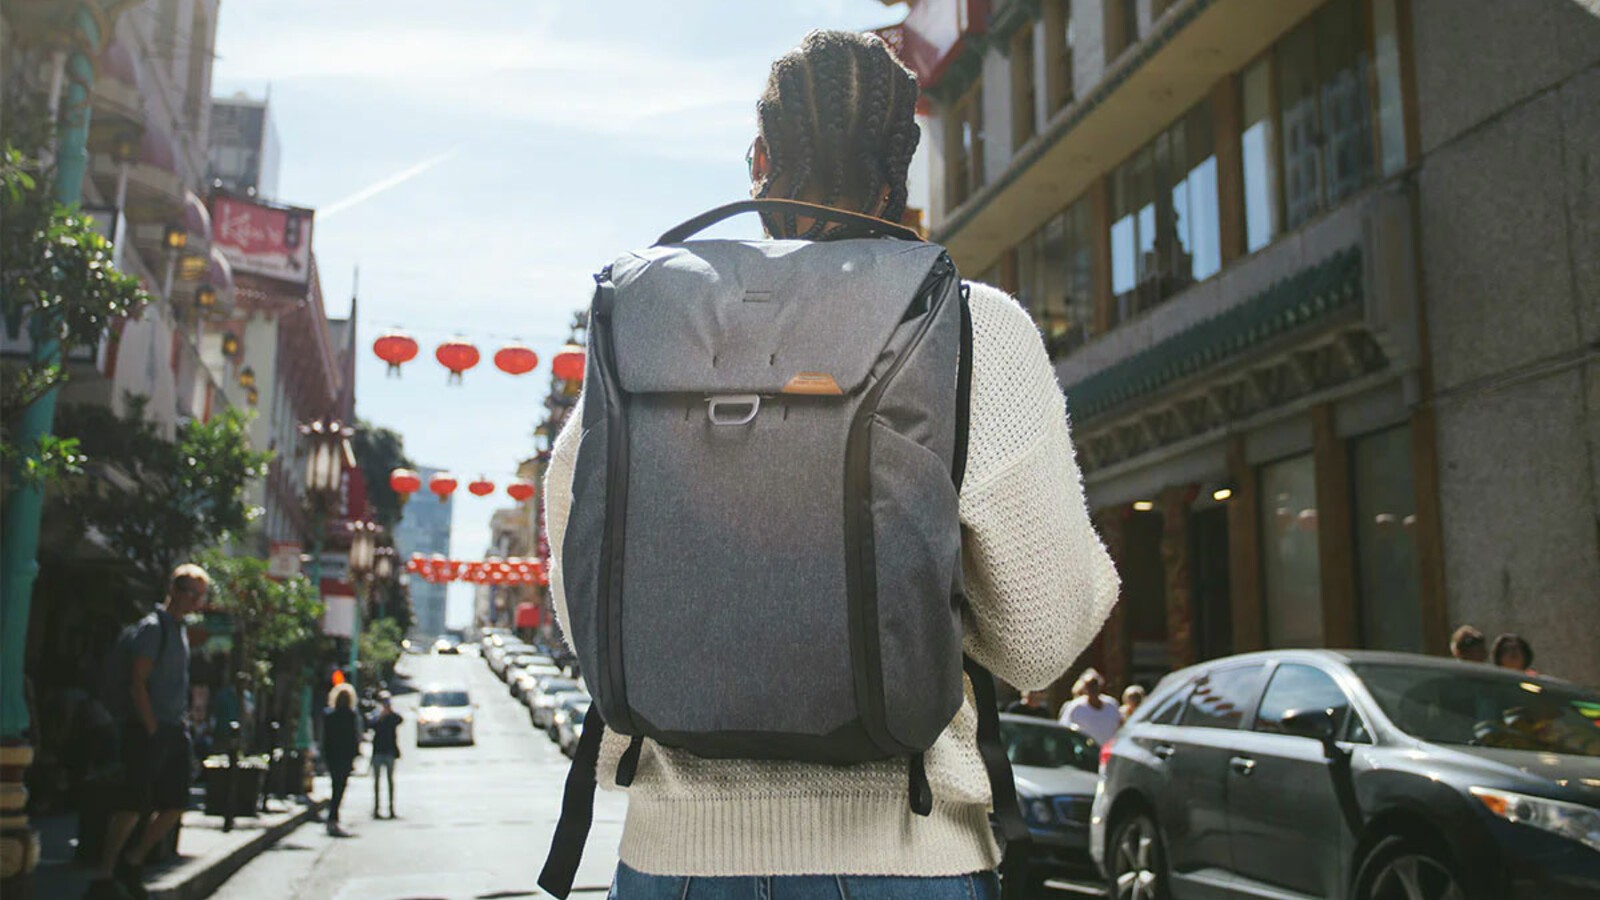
(395, 348)
(481, 488)
(568, 363)
(405, 481)
(457, 356)
(520, 491)
(515, 359)
(443, 484)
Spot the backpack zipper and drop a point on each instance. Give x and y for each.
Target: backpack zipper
(608, 618)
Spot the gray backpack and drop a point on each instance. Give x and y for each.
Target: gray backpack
(763, 552)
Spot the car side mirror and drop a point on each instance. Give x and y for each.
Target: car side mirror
(1317, 724)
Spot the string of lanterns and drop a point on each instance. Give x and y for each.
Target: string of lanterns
(407, 482)
(438, 569)
(459, 355)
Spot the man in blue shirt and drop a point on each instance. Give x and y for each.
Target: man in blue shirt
(154, 735)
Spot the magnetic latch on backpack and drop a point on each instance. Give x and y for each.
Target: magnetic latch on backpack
(733, 409)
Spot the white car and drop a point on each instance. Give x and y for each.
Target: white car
(444, 716)
(542, 698)
(523, 678)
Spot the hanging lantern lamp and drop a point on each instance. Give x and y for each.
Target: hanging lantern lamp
(404, 481)
(516, 359)
(520, 491)
(568, 363)
(443, 484)
(458, 356)
(395, 348)
(481, 488)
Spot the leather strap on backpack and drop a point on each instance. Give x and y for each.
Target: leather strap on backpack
(860, 223)
(577, 810)
(1002, 786)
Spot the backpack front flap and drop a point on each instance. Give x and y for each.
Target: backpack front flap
(762, 504)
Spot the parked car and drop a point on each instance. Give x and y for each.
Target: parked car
(1056, 772)
(560, 698)
(503, 654)
(444, 716)
(446, 646)
(521, 673)
(569, 722)
(1353, 775)
(542, 699)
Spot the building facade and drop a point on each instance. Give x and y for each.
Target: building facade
(244, 147)
(1319, 281)
(425, 529)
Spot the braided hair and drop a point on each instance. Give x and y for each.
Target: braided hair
(838, 118)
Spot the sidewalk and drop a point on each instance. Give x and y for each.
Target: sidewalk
(207, 855)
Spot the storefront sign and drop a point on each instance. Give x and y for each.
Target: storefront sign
(339, 616)
(274, 241)
(283, 559)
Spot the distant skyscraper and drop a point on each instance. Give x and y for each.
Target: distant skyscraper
(425, 529)
(244, 147)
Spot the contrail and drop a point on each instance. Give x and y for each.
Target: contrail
(378, 187)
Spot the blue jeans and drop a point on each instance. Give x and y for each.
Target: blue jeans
(634, 885)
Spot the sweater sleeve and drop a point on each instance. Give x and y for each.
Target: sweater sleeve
(557, 503)
(1039, 582)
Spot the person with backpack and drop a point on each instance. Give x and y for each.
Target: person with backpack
(385, 728)
(815, 491)
(145, 687)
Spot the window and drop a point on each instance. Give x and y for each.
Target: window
(1023, 94)
(1165, 231)
(1122, 26)
(1220, 699)
(1059, 38)
(1291, 564)
(1325, 110)
(1387, 571)
(1172, 707)
(1258, 144)
(964, 162)
(1056, 278)
(1300, 687)
(1392, 151)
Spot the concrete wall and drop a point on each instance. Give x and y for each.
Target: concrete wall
(1509, 200)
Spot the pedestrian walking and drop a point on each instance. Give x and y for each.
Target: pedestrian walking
(341, 744)
(146, 690)
(1031, 703)
(1091, 711)
(1468, 645)
(385, 726)
(836, 125)
(1512, 651)
(1132, 699)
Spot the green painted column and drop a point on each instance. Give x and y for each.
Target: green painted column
(23, 512)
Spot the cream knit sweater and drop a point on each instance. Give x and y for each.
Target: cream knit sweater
(1039, 584)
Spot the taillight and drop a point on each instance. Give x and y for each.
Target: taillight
(1105, 753)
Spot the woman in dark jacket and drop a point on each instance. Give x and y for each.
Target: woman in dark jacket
(341, 743)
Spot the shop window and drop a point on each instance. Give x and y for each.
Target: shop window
(1388, 572)
(1023, 94)
(964, 142)
(1055, 277)
(1291, 566)
(1059, 39)
(1164, 217)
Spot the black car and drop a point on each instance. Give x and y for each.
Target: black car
(1352, 774)
(1055, 771)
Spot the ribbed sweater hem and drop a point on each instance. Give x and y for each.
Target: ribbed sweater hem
(853, 835)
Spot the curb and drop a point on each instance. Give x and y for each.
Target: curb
(205, 881)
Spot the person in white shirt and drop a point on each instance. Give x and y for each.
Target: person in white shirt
(1091, 711)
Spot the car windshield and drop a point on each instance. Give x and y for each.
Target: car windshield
(445, 698)
(1496, 708)
(1049, 746)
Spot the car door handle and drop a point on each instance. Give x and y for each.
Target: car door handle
(1163, 751)
(1244, 765)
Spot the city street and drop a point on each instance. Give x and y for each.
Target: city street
(474, 822)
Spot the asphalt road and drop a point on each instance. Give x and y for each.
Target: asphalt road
(474, 822)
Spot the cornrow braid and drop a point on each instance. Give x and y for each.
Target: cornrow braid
(840, 106)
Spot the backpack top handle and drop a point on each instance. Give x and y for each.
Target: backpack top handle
(871, 225)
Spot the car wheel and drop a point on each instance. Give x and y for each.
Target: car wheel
(1137, 861)
(1402, 868)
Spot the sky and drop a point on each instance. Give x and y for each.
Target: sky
(480, 160)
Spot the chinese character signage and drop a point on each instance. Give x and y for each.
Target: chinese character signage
(273, 241)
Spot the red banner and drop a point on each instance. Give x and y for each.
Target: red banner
(274, 241)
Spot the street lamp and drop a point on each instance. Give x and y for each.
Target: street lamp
(247, 375)
(174, 239)
(205, 297)
(383, 566)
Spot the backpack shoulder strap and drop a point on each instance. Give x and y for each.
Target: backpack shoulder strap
(577, 810)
